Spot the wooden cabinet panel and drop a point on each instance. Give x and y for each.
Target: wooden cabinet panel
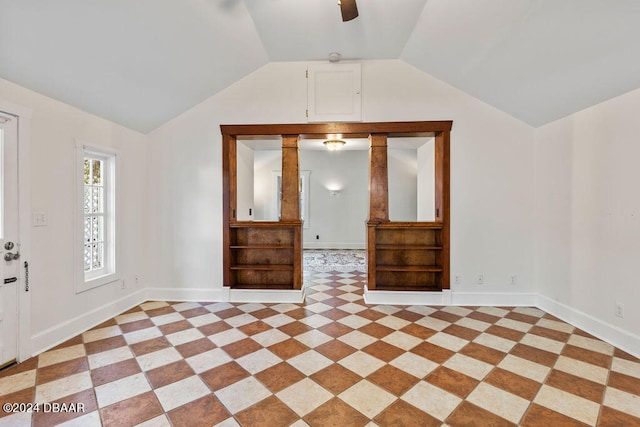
(262, 255)
(406, 256)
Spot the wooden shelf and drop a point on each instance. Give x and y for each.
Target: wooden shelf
(406, 256)
(261, 247)
(433, 288)
(264, 255)
(263, 286)
(410, 225)
(389, 247)
(271, 267)
(410, 268)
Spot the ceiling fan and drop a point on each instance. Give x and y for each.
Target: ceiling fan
(349, 9)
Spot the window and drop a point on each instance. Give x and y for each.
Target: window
(97, 217)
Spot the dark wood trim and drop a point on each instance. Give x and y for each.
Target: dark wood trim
(228, 200)
(347, 130)
(371, 255)
(401, 256)
(298, 274)
(290, 204)
(443, 195)
(378, 179)
(264, 224)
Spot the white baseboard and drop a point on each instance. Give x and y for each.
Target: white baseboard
(225, 294)
(615, 336)
(268, 296)
(60, 333)
(504, 299)
(332, 245)
(187, 294)
(406, 297)
(447, 297)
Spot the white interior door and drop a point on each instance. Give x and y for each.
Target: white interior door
(9, 246)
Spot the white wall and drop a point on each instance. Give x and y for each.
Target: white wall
(186, 169)
(244, 180)
(492, 172)
(268, 164)
(553, 194)
(426, 182)
(57, 311)
(338, 220)
(403, 184)
(588, 216)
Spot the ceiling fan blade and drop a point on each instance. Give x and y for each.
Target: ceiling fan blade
(349, 10)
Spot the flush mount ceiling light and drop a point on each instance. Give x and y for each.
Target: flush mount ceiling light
(334, 144)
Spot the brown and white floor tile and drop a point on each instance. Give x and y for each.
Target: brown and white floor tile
(333, 360)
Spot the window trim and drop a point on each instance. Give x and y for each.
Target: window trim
(112, 273)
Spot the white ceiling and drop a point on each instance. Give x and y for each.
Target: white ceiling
(142, 62)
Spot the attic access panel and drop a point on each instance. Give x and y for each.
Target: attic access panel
(334, 93)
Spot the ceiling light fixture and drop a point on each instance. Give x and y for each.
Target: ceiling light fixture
(334, 144)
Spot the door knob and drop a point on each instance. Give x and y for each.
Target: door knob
(11, 256)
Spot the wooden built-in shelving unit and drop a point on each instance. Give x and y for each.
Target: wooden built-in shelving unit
(406, 256)
(264, 255)
(401, 256)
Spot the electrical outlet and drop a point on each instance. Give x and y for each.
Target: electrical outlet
(514, 280)
(458, 280)
(480, 279)
(317, 237)
(38, 219)
(620, 310)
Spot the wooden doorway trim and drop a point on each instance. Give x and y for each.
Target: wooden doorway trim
(268, 255)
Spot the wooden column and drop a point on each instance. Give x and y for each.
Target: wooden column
(442, 202)
(229, 201)
(378, 199)
(378, 178)
(290, 203)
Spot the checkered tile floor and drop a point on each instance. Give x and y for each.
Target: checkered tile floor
(331, 361)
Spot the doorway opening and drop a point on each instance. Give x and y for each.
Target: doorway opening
(406, 240)
(334, 234)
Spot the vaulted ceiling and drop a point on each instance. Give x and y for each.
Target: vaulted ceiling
(142, 62)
